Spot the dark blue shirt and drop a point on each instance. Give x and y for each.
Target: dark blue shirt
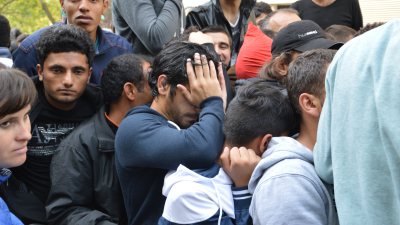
(147, 146)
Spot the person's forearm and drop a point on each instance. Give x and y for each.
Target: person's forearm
(152, 30)
(166, 147)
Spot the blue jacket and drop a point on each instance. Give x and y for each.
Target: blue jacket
(110, 46)
(6, 217)
(147, 146)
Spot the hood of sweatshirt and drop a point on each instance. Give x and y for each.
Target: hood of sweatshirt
(279, 149)
(192, 198)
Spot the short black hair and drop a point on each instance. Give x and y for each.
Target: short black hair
(64, 38)
(171, 61)
(259, 108)
(368, 27)
(120, 70)
(262, 7)
(4, 32)
(307, 74)
(217, 29)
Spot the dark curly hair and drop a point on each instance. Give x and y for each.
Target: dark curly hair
(66, 38)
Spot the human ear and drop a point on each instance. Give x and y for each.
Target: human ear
(263, 145)
(129, 91)
(280, 66)
(40, 72)
(310, 104)
(162, 85)
(90, 74)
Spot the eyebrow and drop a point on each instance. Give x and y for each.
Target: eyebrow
(79, 67)
(63, 67)
(56, 66)
(8, 117)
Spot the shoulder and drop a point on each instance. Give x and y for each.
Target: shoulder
(201, 9)
(115, 40)
(142, 117)
(301, 3)
(353, 3)
(288, 189)
(287, 170)
(28, 44)
(82, 134)
(93, 95)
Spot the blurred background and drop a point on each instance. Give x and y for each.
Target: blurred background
(30, 15)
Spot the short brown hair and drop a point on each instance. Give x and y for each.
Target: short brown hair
(16, 90)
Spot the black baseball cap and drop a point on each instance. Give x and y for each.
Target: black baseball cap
(302, 36)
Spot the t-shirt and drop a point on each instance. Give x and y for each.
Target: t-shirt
(235, 28)
(341, 12)
(48, 130)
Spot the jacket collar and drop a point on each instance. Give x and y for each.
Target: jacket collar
(245, 6)
(104, 134)
(4, 174)
(104, 42)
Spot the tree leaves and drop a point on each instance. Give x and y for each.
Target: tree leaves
(31, 15)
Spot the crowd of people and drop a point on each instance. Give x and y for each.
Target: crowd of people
(231, 113)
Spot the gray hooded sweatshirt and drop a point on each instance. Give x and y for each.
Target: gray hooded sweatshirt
(287, 190)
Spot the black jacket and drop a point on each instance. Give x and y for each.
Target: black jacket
(211, 13)
(85, 187)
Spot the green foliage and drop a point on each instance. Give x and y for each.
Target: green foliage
(29, 15)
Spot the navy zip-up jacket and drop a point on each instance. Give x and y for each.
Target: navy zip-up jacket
(147, 146)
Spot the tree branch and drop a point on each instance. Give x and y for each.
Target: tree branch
(3, 6)
(47, 11)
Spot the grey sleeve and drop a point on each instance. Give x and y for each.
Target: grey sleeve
(287, 199)
(152, 30)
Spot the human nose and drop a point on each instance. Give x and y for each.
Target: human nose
(217, 49)
(24, 132)
(68, 79)
(83, 6)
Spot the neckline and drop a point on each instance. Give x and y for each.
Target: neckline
(323, 6)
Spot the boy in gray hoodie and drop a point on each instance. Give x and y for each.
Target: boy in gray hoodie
(258, 111)
(286, 189)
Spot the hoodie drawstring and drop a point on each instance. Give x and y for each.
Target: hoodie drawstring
(219, 203)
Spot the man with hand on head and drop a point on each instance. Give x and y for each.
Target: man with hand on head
(183, 125)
